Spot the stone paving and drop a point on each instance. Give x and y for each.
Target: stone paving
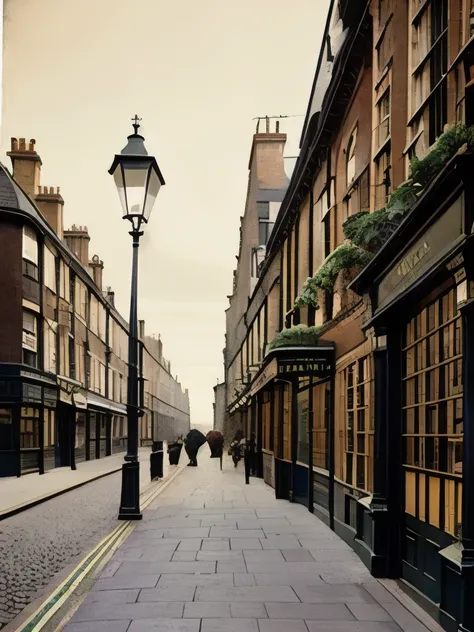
(215, 555)
(43, 540)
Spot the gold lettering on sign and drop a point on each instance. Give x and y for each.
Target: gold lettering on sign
(407, 264)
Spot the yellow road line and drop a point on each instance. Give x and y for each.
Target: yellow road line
(112, 541)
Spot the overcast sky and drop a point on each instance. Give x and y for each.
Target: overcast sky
(197, 72)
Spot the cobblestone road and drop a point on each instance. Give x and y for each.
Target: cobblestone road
(38, 543)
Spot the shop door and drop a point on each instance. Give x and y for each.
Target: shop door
(432, 423)
(63, 436)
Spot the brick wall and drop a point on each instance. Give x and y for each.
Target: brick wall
(11, 319)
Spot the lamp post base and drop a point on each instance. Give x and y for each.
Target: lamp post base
(130, 499)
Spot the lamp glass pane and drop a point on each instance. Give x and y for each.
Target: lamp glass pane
(135, 182)
(154, 185)
(119, 183)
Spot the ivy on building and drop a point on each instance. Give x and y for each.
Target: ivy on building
(367, 232)
(296, 336)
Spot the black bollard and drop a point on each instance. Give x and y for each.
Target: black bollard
(156, 461)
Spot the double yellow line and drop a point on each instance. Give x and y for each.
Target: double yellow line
(109, 544)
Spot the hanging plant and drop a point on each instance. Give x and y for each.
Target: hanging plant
(344, 257)
(296, 336)
(368, 232)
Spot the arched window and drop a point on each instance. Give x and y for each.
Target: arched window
(350, 157)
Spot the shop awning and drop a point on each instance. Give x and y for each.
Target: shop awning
(96, 401)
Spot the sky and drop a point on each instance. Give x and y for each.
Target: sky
(197, 73)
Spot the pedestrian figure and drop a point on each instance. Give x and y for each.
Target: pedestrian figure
(194, 440)
(252, 452)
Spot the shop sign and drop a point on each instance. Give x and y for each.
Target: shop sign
(50, 397)
(80, 401)
(424, 254)
(319, 367)
(32, 393)
(268, 373)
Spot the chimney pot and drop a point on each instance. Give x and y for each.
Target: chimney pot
(32, 144)
(14, 144)
(51, 190)
(22, 144)
(277, 127)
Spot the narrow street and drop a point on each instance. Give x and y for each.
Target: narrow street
(215, 555)
(42, 541)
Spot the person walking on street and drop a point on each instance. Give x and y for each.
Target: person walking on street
(252, 452)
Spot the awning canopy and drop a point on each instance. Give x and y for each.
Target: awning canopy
(96, 401)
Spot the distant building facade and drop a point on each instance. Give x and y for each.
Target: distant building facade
(267, 185)
(63, 345)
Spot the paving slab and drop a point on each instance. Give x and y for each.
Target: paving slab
(229, 625)
(307, 611)
(165, 625)
(215, 555)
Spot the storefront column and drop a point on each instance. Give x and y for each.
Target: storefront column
(378, 504)
(259, 436)
(87, 435)
(16, 414)
(41, 439)
(108, 434)
(393, 454)
(310, 446)
(332, 449)
(467, 560)
(294, 435)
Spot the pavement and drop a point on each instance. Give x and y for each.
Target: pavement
(18, 494)
(215, 555)
(41, 545)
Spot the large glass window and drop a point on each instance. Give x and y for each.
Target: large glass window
(433, 414)
(50, 349)
(303, 426)
(359, 429)
(6, 429)
(321, 407)
(29, 428)
(351, 157)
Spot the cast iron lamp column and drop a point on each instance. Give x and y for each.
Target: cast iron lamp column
(138, 180)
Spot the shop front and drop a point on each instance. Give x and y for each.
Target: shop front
(103, 419)
(419, 522)
(28, 400)
(293, 400)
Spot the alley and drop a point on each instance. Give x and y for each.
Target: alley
(215, 555)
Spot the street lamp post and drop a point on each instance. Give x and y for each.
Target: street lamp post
(138, 180)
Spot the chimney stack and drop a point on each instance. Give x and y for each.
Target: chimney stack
(51, 203)
(97, 267)
(77, 239)
(109, 296)
(26, 165)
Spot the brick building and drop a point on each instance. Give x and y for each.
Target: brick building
(357, 395)
(63, 345)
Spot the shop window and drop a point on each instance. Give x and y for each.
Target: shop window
(303, 426)
(80, 430)
(49, 428)
(359, 430)
(29, 429)
(433, 413)
(321, 409)
(6, 429)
